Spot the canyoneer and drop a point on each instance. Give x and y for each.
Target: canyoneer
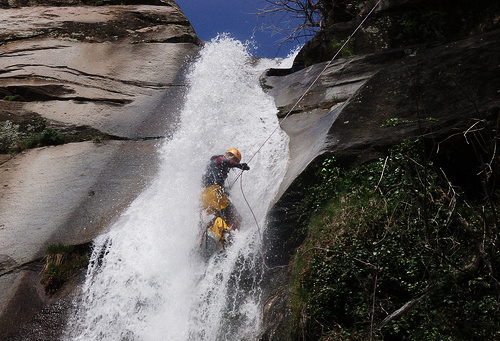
(214, 199)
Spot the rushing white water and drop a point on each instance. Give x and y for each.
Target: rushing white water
(146, 280)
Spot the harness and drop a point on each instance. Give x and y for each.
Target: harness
(213, 200)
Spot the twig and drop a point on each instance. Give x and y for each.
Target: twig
(381, 175)
(373, 305)
(406, 307)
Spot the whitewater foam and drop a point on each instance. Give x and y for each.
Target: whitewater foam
(145, 280)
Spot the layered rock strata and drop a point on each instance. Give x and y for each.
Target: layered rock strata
(112, 75)
(363, 104)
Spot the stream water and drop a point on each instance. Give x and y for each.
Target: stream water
(146, 280)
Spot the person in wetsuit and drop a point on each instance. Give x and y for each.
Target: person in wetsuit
(214, 179)
(219, 167)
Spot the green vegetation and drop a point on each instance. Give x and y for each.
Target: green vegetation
(428, 26)
(47, 137)
(10, 135)
(13, 140)
(61, 263)
(393, 122)
(18, 141)
(14, 98)
(348, 49)
(400, 228)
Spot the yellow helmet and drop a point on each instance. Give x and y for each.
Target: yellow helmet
(235, 152)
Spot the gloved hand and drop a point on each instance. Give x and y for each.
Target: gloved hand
(244, 167)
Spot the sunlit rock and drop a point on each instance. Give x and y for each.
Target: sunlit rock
(109, 76)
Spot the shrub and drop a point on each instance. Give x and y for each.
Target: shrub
(14, 98)
(10, 135)
(47, 137)
(397, 225)
(61, 263)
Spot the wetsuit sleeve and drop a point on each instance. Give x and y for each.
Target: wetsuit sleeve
(242, 166)
(225, 162)
(230, 164)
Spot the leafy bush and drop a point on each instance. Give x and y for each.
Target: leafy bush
(399, 227)
(61, 263)
(14, 98)
(10, 135)
(47, 137)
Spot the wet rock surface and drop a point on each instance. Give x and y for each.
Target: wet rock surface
(117, 71)
(109, 78)
(362, 105)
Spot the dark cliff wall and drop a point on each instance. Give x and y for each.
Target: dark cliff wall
(437, 87)
(401, 23)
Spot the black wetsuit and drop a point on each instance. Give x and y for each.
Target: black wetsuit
(216, 173)
(218, 169)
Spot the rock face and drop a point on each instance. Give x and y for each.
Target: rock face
(114, 74)
(111, 76)
(397, 24)
(362, 105)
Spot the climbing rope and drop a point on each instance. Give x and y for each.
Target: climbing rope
(376, 269)
(240, 176)
(314, 81)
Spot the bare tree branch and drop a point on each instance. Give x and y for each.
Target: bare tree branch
(405, 308)
(296, 19)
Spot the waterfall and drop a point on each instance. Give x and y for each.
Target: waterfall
(146, 280)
